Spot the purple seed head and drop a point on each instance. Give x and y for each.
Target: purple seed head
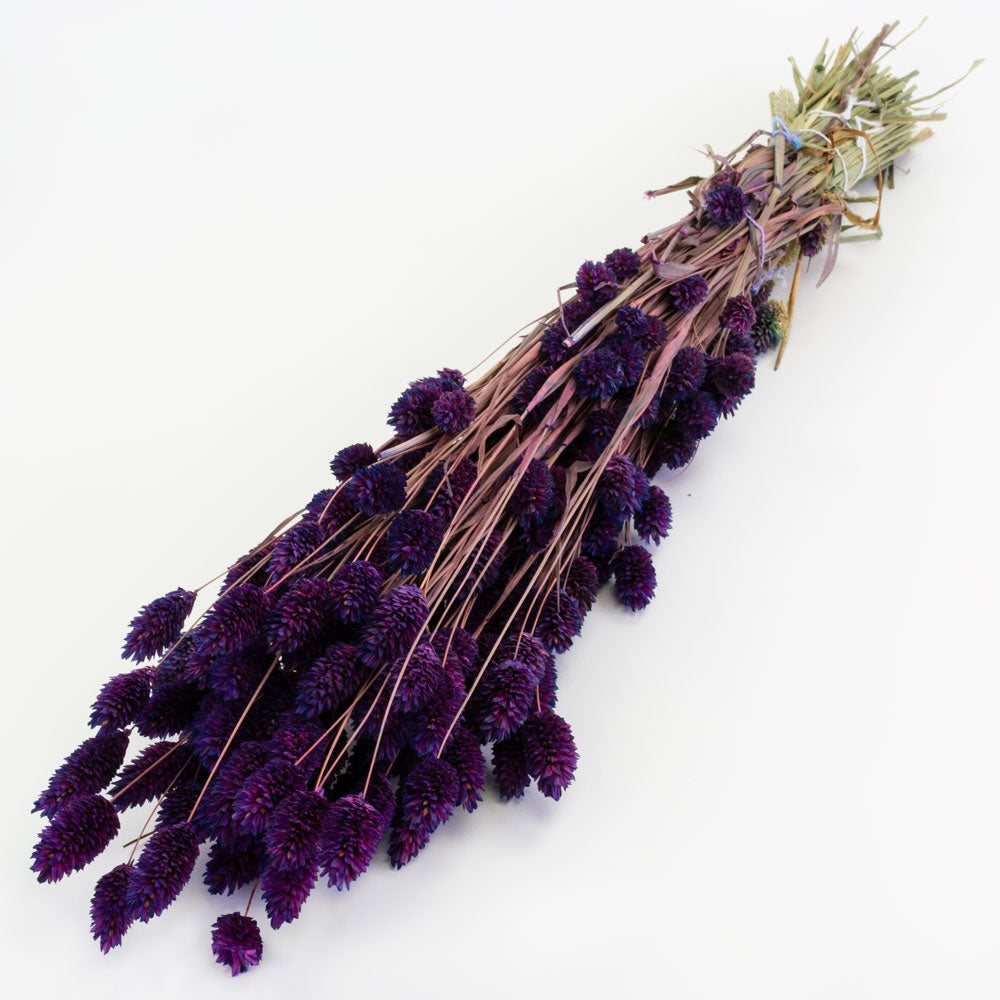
(109, 919)
(260, 794)
(689, 292)
(550, 752)
(332, 679)
(233, 864)
(623, 264)
(162, 871)
(453, 411)
(351, 832)
(635, 577)
(811, 241)
(553, 349)
(285, 890)
(429, 794)
(696, 417)
(293, 829)
(582, 582)
(412, 541)
(121, 699)
(510, 767)
(506, 696)
(145, 778)
(533, 494)
(354, 591)
(465, 756)
(738, 315)
(622, 487)
(393, 625)
(235, 619)
(595, 283)
(420, 678)
(687, 372)
(300, 614)
(88, 769)
(447, 486)
(158, 625)
(598, 374)
(349, 460)
(725, 203)
(652, 522)
(236, 942)
(377, 489)
(732, 375)
(170, 710)
(81, 829)
(560, 621)
(293, 548)
(630, 355)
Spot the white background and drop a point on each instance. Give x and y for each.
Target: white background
(231, 232)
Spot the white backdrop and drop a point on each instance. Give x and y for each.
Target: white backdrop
(231, 232)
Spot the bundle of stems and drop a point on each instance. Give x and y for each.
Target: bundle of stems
(363, 660)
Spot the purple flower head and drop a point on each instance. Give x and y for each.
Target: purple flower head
(553, 349)
(652, 522)
(447, 486)
(632, 322)
(213, 724)
(452, 376)
(331, 680)
(84, 772)
(581, 581)
(411, 413)
(412, 541)
(732, 375)
(420, 679)
(532, 496)
(235, 675)
(623, 264)
(631, 356)
(689, 292)
(331, 510)
(599, 430)
(510, 767)
(158, 625)
(725, 203)
(293, 738)
(285, 890)
(235, 619)
(121, 699)
(177, 803)
(261, 793)
(738, 314)
(528, 651)
(293, 548)
(595, 283)
(215, 814)
(300, 614)
(622, 487)
(81, 829)
(687, 372)
(550, 752)
(406, 841)
(635, 578)
(811, 241)
(429, 794)
(427, 728)
(236, 942)
(506, 696)
(145, 778)
(170, 710)
(655, 336)
(232, 865)
(651, 414)
(354, 591)
(378, 489)
(249, 569)
(394, 624)
(462, 648)
(163, 869)
(293, 829)
(466, 758)
(598, 374)
(109, 919)
(696, 417)
(674, 450)
(548, 688)
(453, 411)
(740, 343)
(350, 834)
(349, 460)
(601, 538)
(560, 621)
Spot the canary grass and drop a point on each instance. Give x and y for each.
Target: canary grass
(356, 661)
